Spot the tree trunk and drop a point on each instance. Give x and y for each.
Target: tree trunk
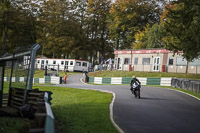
(187, 67)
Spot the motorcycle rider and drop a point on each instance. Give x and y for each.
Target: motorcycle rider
(135, 85)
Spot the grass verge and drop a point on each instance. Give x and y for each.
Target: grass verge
(143, 74)
(80, 111)
(75, 111)
(40, 73)
(14, 125)
(186, 91)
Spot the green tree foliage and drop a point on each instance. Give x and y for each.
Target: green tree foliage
(129, 16)
(98, 33)
(182, 24)
(150, 37)
(17, 27)
(54, 28)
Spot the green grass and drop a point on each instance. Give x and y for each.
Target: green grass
(186, 91)
(14, 125)
(75, 111)
(40, 73)
(143, 74)
(80, 111)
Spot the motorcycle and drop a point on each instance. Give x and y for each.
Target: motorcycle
(136, 91)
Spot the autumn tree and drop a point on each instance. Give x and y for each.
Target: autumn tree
(127, 17)
(151, 37)
(182, 23)
(17, 28)
(97, 30)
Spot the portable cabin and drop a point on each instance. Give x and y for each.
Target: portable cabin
(154, 60)
(71, 65)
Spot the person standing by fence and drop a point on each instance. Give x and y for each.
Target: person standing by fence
(65, 78)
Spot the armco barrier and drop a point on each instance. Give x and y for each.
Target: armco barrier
(117, 80)
(49, 122)
(126, 80)
(45, 80)
(98, 80)
(44, 119)
(153, 81)
(165, 81)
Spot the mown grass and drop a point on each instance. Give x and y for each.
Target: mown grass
(186, 91)
(80, 111)
(75, 111)
(40, 73)
(14, 125)
(143, 74)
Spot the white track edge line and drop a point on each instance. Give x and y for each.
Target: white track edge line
(110, 107)
(184, 93)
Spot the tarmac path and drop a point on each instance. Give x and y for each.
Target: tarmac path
(158, 111)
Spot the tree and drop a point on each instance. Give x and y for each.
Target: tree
(127, 17)
(17, 27)
(56, 29)
(98, 33)
(182, 24)
(151, 37)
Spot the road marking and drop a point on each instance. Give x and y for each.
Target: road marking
(110, 107)
(184, 93)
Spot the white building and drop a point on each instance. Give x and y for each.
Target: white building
(62, 64)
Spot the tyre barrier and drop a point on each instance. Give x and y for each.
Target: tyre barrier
(44, 119)
(32, 104)
(186, 84)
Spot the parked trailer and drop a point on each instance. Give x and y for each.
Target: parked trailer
(70, 65)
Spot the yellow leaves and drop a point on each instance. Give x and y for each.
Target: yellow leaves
(129, 16)
(140, 37)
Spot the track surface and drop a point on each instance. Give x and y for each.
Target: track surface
(158, 111)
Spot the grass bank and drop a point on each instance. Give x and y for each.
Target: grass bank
(143, 74)
(178, 89)
(80, 111)
(75, 111)
(40, 73)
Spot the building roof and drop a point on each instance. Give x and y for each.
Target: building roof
(59, 59)
(142, 51)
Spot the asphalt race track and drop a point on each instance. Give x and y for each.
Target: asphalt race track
(158, 111)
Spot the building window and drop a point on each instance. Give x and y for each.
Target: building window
(85, 64)
(38, 61)
(181, 61)
(66, 63)
(126, 60)
(171, 60)
(62, 62)
(195, 62)
(146, 61)
(42, 62)
(54, 62)
(136, 61)
(78, 63)
(71, 63)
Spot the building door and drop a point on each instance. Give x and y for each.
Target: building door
(156, 63)
(118, 62)
(42, 64)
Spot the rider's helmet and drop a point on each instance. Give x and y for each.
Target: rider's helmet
(133, 76)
